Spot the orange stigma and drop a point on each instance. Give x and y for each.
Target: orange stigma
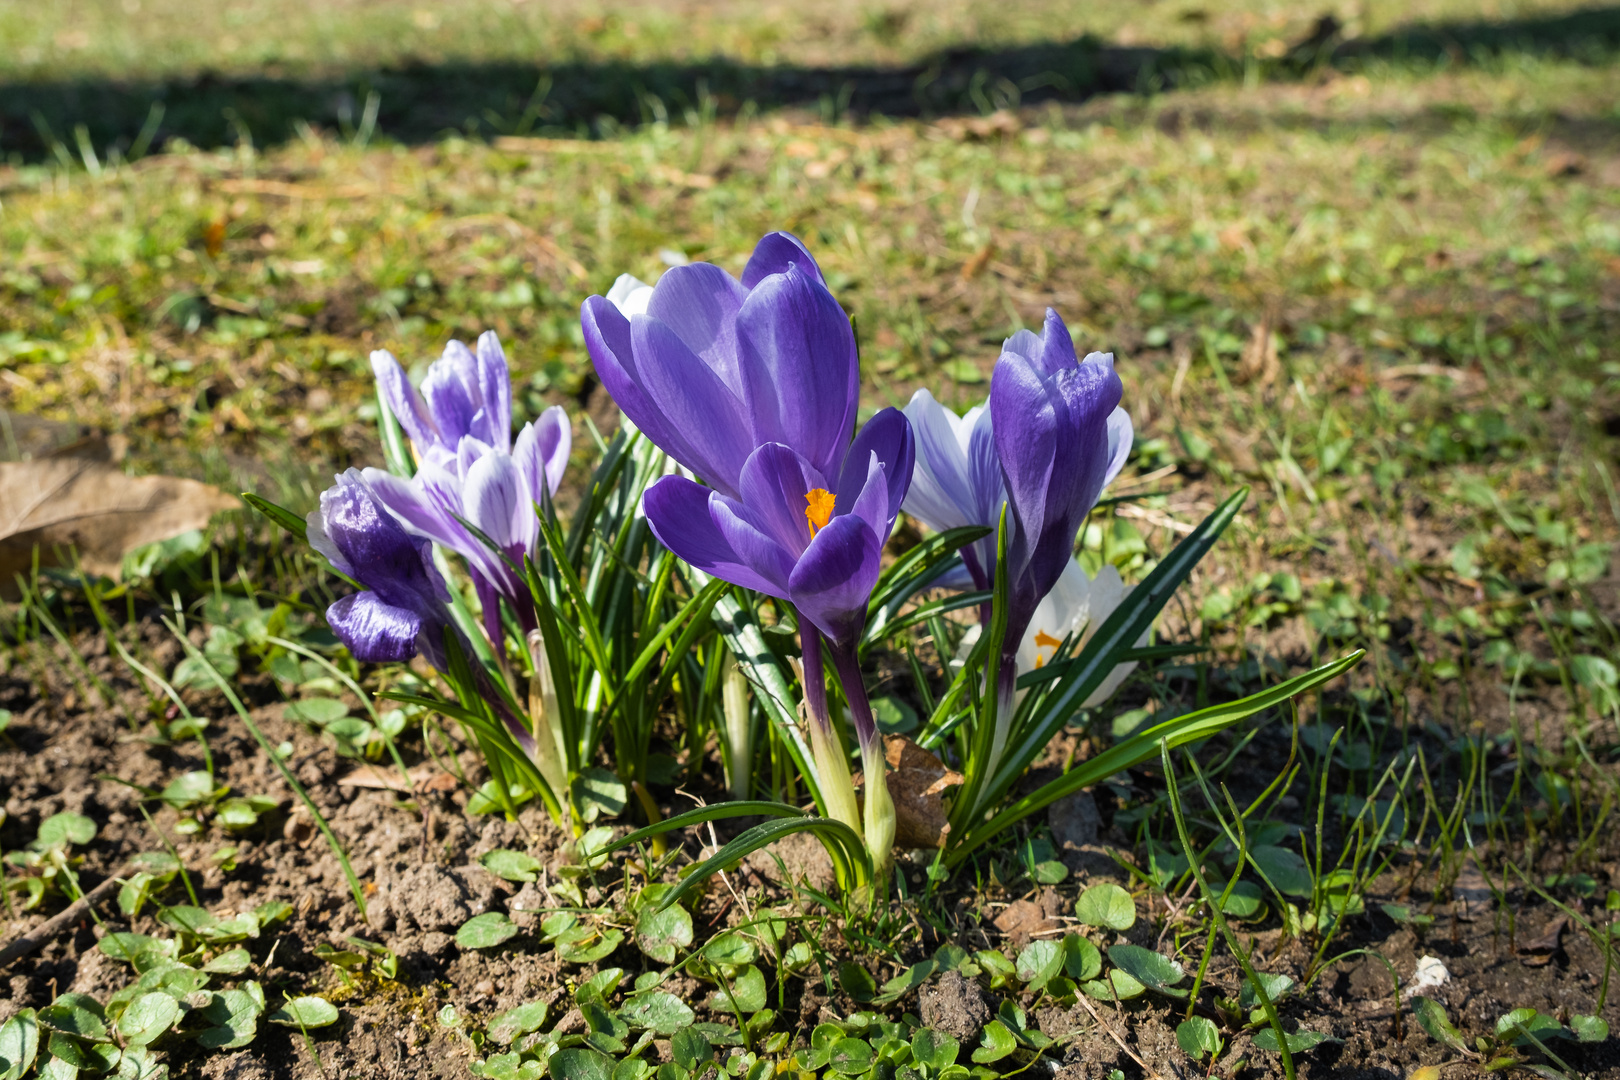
(819, 509)
(1043, 640)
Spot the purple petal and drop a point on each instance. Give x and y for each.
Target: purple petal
(402, 399)
(1025, 429)
(373, 630)
(773, 254)
(799, 369)
(610, 339)
(871, 501)
(774, 486)
(713, 432)
(448, 389)
(541, 452)
(889, 436)
(1057, 347)
(413, 503)
(495, 388)
(833, 580)
(681, 517)
(494, 501)
(700, 301)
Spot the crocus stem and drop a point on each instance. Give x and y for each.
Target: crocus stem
(880, 821)
(739, 729)
(1006, 705)
(832, 768)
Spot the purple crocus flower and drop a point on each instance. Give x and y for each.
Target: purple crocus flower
(470, 469)
(1052, 414)
(1050, 438)
(401, 612)
(465, 394)
(717, 367)
(753, 386)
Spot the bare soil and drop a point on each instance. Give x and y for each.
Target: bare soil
(418, 862)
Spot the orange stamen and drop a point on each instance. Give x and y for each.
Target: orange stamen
(819, 509)
(1043, 640)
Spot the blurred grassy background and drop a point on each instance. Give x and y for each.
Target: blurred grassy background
(1366, 259)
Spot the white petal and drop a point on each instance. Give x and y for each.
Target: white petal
(630, 295)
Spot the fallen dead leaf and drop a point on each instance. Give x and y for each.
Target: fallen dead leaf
(60, 503)
(1539, 951)
(917, 784)
(1025, 920)
(423, 777)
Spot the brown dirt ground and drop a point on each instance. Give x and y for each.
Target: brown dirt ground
(418, 863)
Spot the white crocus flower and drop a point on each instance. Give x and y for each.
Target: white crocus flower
(630, 295)
(1077, 604)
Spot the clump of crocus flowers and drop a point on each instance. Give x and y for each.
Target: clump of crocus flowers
(751, 385)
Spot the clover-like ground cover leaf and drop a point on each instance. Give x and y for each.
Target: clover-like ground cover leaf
(309, 1012)
(19, 1044)
(1039, 961)
(1198, 1038)
(1107, 907)
(934, 1049)
(76, 1014)
(850, 1057)
(580, 1063)
(660, 933)
(234, 1016)
(995, 1043)
(1589, 1028)
(1153, 970)
(148, 1017)
(690, 1049)
(660, 1012)
(512, 865)
(60, 831)
(1298, 1041)
(519, 1021)
(486, 931)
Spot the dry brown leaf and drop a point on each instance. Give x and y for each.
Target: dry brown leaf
(424, 777)
(58, 503)
(917, 784)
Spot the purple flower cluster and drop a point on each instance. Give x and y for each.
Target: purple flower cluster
(472, 478)
(752, 384)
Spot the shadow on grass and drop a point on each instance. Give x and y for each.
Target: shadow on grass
(424, 102)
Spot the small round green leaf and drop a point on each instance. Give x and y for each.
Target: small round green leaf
(1153, 970)
(486, 931)
(850, 1057)
(309, 1012)
(580, 1063)
(60, 831)
(19, 1043)
(148, 1017)
(1589, 1028)
(317, 711)
(690, 1049)
(995, 1043)
(512, 865)
(660, 1012)
(1039, 961)
(1298, 1041)
(934, 1049)
(660, 933)
(1106, 906)
(76, 1014)
(1198, 1038)
(1082, 961)
(514, 1022)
